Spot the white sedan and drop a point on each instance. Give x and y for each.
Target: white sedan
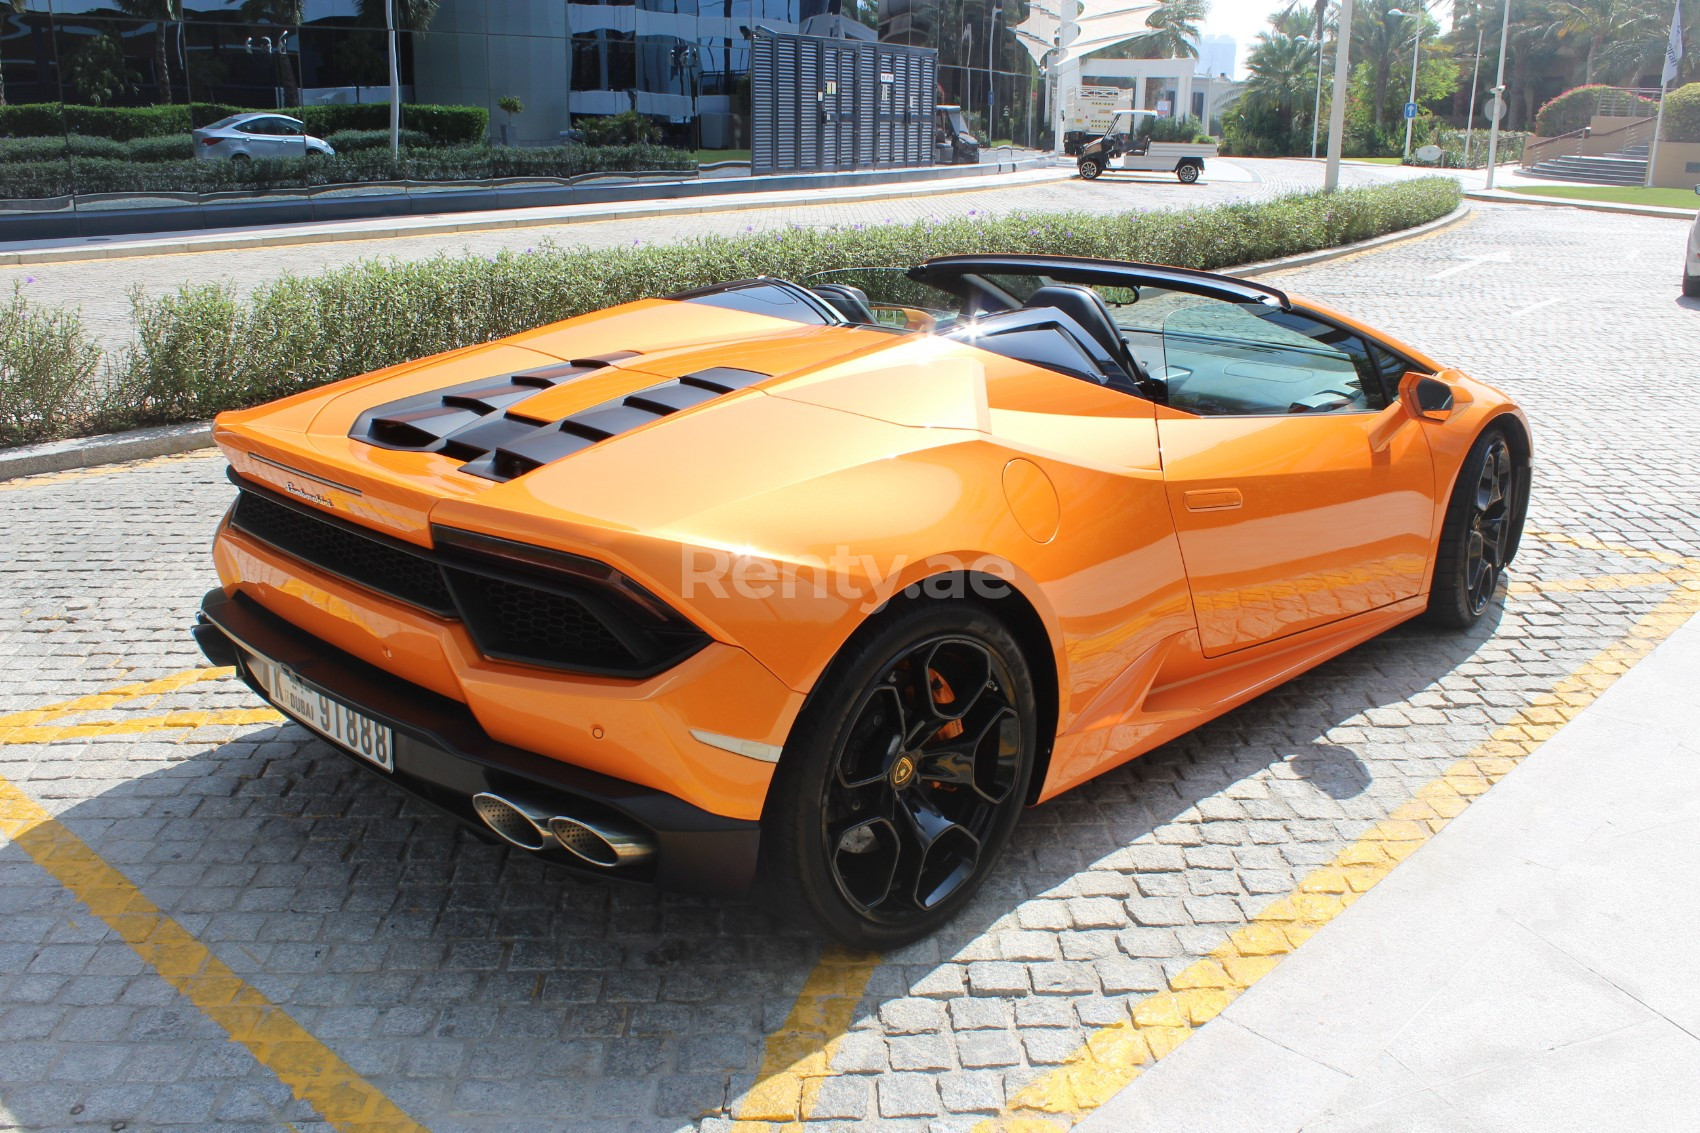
(1691, 271)
(241, 137)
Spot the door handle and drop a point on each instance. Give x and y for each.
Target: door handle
(1212, 499)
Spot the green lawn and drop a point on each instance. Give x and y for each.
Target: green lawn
(1617, 194)
(1378, 160)
(705, 156)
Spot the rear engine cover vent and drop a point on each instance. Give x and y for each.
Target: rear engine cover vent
(467, 420)
(527, 444)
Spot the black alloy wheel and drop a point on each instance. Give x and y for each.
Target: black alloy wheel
(1481, 529)
(1089, 168)
(1489, 530)
(1187, 173)
(901, 787)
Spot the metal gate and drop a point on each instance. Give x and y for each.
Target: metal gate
(821, 104)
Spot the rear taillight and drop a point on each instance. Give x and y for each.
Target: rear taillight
(211, 141)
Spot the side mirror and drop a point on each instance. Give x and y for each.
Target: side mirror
(1425, 396)
(1697, 189)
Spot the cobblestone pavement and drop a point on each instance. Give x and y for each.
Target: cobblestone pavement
(101, 287)
(478, 991)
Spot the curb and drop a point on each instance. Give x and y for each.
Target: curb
(1323, 255)
(1501, 197)
(139, 444)
(108, 448)
(442, 224)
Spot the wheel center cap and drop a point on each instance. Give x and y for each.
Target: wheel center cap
(903, 771)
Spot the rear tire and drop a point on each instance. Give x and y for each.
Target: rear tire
(1187, 173)
(1691, 285)
(1483, 525)
(887, 811)
(1089, 169)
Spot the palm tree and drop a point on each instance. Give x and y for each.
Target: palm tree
(1174, 30)
(1381, 36)
(15, 7)
(1282, 70)
(165, 13)
(1600, 22)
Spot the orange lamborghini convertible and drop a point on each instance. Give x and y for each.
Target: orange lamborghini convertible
(816, 585)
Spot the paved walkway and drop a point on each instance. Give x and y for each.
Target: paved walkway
(101, 288)
(1530, 970)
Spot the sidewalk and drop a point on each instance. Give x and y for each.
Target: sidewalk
(1530, 970)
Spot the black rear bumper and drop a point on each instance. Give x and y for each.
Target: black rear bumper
(443, 756)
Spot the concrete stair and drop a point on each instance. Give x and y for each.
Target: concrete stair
(1626, 167)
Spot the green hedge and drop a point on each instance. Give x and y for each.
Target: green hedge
(177, 147)
(36, 179)
(1575, 108)
(348, 141)
(48, 372)
(443, 125)
(208, 348)
(1682, 114)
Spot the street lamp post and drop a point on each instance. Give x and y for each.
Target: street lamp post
(1416, 56)
(1498, 95)
(991, 88)
(1475, 76)
(1337, 108)
(1316, 113)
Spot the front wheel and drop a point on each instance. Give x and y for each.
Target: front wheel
(1187, 173)
(1483, 523)
(1089, 168)
(1691, 285)
(904, 777)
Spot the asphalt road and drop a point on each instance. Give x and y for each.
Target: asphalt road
(475, 990)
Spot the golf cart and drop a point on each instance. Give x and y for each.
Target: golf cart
(952, 143)
(1122, 143)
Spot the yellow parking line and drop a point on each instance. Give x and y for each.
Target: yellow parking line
(171, 721)
(41, 480)
(798, 1056)
(1114, 1056)
(111, 698)
(311, 1071)
(1589, 543)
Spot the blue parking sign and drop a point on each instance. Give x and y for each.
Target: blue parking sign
(1410, 110)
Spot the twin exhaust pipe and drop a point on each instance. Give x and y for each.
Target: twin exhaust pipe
(517, 822)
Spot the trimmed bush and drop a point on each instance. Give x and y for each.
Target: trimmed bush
(348, 141)
(1575, 108)
(171, 147)
(34, 179)
(48, 364)
(204, 349)
(1682, 114)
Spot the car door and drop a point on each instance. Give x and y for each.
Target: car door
(1294, 503)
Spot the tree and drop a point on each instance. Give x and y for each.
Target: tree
(98, 71)
(1382, 35)
(1282, 73)
(1599, 22)
(164, 13)
(1173, 32)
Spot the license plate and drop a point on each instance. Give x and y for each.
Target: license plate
(337, 722)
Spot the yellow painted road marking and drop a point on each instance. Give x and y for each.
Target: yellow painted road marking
(171, 721)
(311, 1071)
(111, 698)
(43, 479)
(1114, 1056)
(798, 1056)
